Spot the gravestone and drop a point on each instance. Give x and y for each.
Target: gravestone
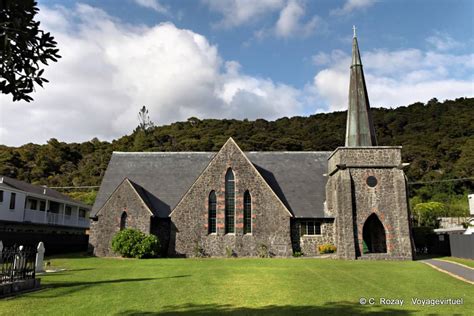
(19, 261)
(39, 257)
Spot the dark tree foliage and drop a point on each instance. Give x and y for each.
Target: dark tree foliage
(23, 47)
(437, 140)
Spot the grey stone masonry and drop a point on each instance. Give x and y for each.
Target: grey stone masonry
(270, 219)
(123, 199)
(308, 244)
(352, 200)
(380, 156)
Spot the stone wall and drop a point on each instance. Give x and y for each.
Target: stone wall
(309, 244)
(270, 218)
(124, 199)
(352, 200)
(365, 156)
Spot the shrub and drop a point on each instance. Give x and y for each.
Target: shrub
(199, 251)
(132, 243)
(263, 251)
(298, 254)
(230, 253)
(327, 248)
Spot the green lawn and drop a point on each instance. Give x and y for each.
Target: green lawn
(466, 262)
(95, 286)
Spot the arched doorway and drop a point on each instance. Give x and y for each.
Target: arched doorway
(373, 235)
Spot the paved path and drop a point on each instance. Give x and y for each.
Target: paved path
(453, 269)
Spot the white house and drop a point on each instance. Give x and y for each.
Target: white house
(24, 203)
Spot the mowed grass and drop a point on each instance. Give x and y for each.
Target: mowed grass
(104, 286)
(466, 262)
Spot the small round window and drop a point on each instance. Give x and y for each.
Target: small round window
(371, 181)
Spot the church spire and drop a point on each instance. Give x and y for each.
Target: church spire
(360, 128)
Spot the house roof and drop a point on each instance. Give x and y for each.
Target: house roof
(163, 178)
(37, 190)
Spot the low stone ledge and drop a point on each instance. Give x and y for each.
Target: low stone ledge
(18, 287)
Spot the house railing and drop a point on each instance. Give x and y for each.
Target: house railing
(43, 217)
(17, 264)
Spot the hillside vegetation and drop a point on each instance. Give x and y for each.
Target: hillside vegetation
(437, 139)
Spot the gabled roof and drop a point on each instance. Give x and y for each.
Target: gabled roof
(164, 177)
(37, 190)
(296, 178)
(138, 190)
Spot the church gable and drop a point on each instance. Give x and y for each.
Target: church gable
(266, 223)
(125, 208)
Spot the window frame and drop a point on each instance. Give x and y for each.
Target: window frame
(12, 200)
(316, 228)
(42, 206)
(79, 213)
(229, 202)
(123, 220)
(212, 218)
(247, 213)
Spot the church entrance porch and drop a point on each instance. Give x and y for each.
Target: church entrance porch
(373, 235)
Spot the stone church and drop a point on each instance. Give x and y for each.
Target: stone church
(206, 203)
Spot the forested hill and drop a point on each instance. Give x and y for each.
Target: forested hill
(437, 139)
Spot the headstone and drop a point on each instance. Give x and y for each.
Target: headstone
(471, 204)
(18, 263)
(39, 257)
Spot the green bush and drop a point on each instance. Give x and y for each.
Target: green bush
(327, 248)
(132, 243)
(298, 254)
(263, 251)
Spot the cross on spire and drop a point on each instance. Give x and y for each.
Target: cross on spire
(354, 29)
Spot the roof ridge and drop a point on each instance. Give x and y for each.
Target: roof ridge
(161, 152)
(214, 152)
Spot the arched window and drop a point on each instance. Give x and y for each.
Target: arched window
(123, 221)
(229, 202)
(247, 213)
(212, 213)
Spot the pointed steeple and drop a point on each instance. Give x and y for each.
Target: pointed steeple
(359, 127)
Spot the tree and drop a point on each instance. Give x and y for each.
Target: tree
(426, 214)
(144, 120)
(23, 47)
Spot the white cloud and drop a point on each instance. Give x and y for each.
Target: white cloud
(290, 21)
(238, 12)
(443, 42)
(110, 69)
(352, 5)
(395, 78)
(154, 5)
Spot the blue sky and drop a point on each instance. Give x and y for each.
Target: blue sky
(237, 59)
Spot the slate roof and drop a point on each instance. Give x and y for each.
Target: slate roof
(165, 176)
(162, 178)
(38, 190)
(296, 178)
